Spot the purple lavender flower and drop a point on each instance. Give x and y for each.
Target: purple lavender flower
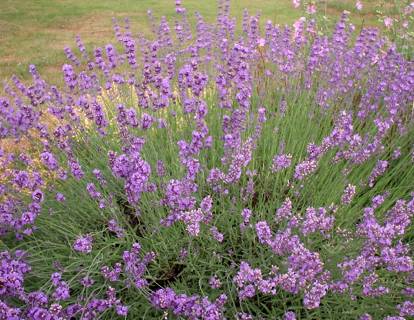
(216, 234)
(160, 168)
(206, 206)
(192, 219)
(244, 316)
(122, 310)
(369, 289)
(60, 197)
(61, 292)
(305, 168)
(289, 315)
(263, 232)
(69, 76)
(281, 161)
(214, 282)
(83, 244)
(378, 170)
(87, 282)
(246, 215)
(146, 121)
(285, 211)
(317, 219)
(76, 170)
(13, 269)
(348, 194)
(192, 307)
(37, 196)
(98, 175)
(406, 309)
(312, 297)
(178, 8)
(111, 274)
(114, 227)
(135, 266)
(91, 188)
(49, 160)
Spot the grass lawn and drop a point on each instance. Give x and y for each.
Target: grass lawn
(36, 31)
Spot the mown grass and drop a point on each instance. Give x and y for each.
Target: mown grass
(36, 31)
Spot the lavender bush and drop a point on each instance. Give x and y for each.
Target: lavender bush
(212, 174)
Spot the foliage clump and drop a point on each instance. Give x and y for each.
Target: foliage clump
(212, 174)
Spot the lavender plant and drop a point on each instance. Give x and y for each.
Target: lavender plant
(210, 174)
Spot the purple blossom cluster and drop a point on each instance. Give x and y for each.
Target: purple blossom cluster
(281, 161)
(191, 307)
(305, 168)
(41, 305)
(12, 271)
(348, 194)
(317, 220)
(134, 170)
(135, 266)
(18, 216)
(305, 270)
(83, 244)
